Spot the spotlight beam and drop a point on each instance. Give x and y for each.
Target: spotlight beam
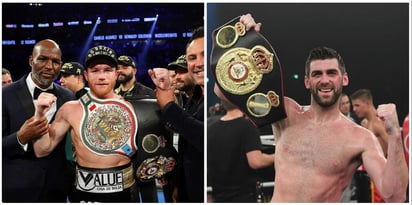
(88, 41)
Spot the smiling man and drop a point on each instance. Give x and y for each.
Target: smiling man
(37, 179)
(187, 121)
(103, 129)
(318, 149)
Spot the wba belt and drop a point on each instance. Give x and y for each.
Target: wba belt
(108, 127)
(109, 180)
(155, 155)
(248, 72)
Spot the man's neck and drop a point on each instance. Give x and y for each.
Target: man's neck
(127, 86)
(371, 114)
(231, 115)
(325, 114)
(81, 86)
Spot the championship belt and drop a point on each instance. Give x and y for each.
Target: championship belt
(155, 167)
(248, 72)
(106, 180)
(108, 127)
(155, 155)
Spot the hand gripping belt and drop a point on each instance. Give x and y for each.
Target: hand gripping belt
(248, 72)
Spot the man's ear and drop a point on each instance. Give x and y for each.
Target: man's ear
(85, 75)
(306, 80)
(31, 61)
(345, 79)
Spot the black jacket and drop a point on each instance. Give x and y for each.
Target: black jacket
(25, 177)
(189, 122)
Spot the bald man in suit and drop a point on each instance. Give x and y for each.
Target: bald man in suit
(25, 177)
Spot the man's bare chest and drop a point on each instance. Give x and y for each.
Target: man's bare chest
(325, 149)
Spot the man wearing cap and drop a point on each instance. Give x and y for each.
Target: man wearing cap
(103, 129)
(25, 177)
(128, 85)
(185, 83)
(188, 121)
(71, 77)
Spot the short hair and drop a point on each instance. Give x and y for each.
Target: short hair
(362, 94)
(322, 53)
(197, 33)
(5, 71)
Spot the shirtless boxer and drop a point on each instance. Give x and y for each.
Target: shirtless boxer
(364, 108)
(318, 149)
(102, 128)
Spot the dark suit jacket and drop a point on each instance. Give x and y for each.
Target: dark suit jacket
(25, 177)
(189, 122)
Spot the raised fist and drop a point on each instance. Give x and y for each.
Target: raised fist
(387, 113)
(44, 103)
(249, 22)
(160, 77)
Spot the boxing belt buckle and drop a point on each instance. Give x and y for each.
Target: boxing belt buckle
(248, 72)
(155, 167)
(151, 143)
(109, 180)
(108, 127)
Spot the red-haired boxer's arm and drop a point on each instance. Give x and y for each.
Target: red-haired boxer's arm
(45, 145)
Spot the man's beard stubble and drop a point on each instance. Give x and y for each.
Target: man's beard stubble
(126, 79)
(322, 103)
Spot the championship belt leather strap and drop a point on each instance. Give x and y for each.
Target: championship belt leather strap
(155, 155)
(248, 72)
(108, 127)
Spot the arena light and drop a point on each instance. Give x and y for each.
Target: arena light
(130, 36)
(86, 22)
(88, 41)
(98, 38)
(110, 37)
(28, 42)
(187, 34)
(11, 25)
(43, 25)
(9, 42)
(145, 50)
(73, 23)
(151, 19)
(144, 35)
(112, 21)
(58, 24)
(130, 20)
(27, 26)
(165, 35)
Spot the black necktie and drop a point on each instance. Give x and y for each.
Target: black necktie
(37, 92)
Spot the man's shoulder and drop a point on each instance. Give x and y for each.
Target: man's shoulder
(361, 132)
(141, 86)
(71, 107)
(138, 87)
(11, 88)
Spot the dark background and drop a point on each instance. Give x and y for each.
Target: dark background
(372, 38)
(173, 17)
